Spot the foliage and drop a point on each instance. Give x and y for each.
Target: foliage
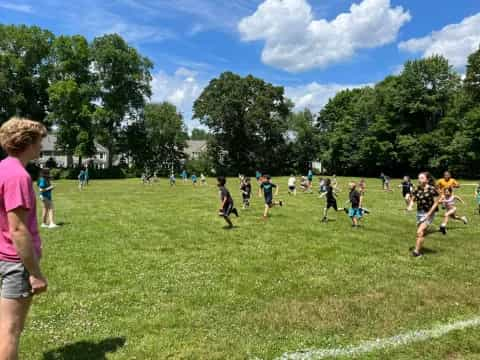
(248, 121)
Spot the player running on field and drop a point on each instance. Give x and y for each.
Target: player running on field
(448, 200)
(267, 187)
(227, 206)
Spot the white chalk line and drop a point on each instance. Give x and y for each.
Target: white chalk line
(381, 344)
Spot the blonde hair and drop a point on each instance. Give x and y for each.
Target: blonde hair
(18, 133)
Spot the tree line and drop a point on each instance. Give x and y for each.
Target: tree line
(426, 117)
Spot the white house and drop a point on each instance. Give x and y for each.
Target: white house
(49, 151)
(195, 148)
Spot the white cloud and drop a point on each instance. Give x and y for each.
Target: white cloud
(295, 41)
(455, 41)
(16, 7)
(180, 89)
(315, 96)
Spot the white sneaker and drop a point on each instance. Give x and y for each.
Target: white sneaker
(465, 220)
(44, 226)
(52, 226)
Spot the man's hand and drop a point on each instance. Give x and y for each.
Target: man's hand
(38, 283)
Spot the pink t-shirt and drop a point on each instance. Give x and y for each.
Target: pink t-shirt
(16, 191)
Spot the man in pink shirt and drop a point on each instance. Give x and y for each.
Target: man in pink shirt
(20, 244)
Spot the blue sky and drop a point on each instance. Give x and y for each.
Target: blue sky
(312, 47)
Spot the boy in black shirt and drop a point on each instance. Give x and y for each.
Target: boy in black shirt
(267, 186)
(227, 202)
(331, 200)
(355, 211)
(246, 189)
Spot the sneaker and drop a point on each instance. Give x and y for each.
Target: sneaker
(281, 203)
(416, 254)
(443, 230)
(52, 226)
(366, 211)
(346, 210)
(44, 226)
(464, 219)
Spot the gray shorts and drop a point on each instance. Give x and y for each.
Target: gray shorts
(15, 282)
(421, 218)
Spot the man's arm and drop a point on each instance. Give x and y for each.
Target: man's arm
(22, 239)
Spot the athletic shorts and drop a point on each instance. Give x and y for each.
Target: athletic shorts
(15, 281)
(269, 200)
(291, 188)
(405, 193)
(332, 204)
(227, 209)
(355, 213)
(422, 220)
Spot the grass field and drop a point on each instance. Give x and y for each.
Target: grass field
(149, 272)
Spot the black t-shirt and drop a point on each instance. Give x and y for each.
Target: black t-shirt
(225, 194)
(425, 197)
(406, 187)
(246, 189)
(355, 198)
(330, 194)
(268, 188)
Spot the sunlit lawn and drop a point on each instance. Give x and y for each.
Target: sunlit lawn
(148, 272)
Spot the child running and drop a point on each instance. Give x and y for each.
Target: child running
(267, 186)
(292, 185)
(427, 198)
(203, 179)
(331, 200)
(407, 189)
(448, 202)
(81, 179)
(226, 207)
(45, 188)
(246, 190)
(194, 180)
(355, 211)
(172, 179)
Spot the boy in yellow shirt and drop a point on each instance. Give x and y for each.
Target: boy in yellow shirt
(447, 182)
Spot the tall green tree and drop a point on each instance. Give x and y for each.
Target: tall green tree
(248, 121)
(24, 71)
(156, 143)
(472, 78)
(71, 96)
(123, 83)
(199, 134)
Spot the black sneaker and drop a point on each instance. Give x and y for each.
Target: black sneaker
(443, 230)
(416, 254)
(366, 211)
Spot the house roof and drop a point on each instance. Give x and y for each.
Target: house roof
(195, 146)
(49, 142)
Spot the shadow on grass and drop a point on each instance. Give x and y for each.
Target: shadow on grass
(86, 350)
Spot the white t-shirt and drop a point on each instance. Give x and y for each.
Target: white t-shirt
(292, 181)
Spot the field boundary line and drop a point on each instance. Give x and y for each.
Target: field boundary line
(382, 344)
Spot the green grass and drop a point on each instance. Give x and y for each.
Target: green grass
(149, 272)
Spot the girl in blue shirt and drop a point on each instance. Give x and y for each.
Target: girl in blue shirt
(45, 188)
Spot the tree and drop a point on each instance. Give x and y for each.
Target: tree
(304, 140)
(199, 134)
(156, 143)
(24, 71)
(247, 118)
(123, 83)
(71, 97)
(472, 78)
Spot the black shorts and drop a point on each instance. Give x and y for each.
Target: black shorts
(227, 209)
(332, 204)
(405, 193)
(269, 200)
(291, 188)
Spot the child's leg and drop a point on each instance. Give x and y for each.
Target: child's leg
(265, 213)
(51, 213)
(446, 217)
(420, 237)
(228, 221)
(44, 212)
